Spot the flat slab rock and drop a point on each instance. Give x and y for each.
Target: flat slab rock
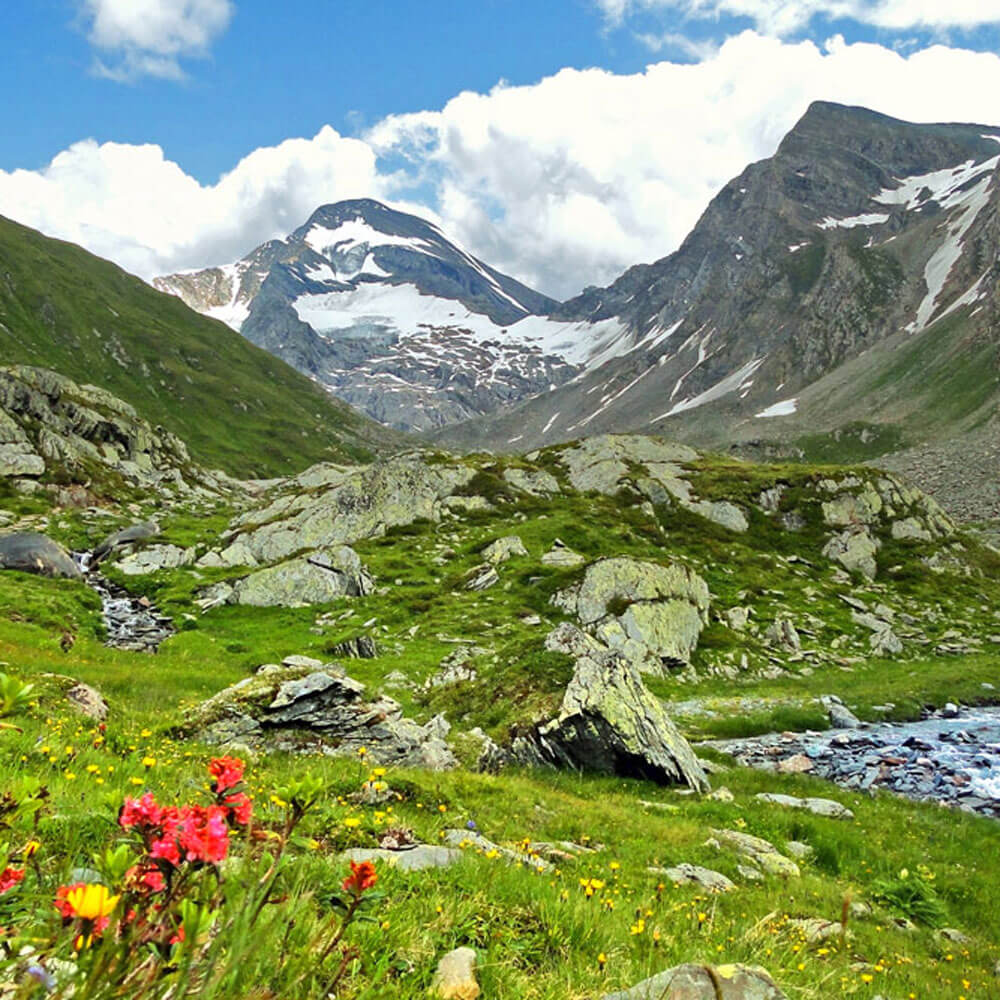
(685, 873)
(414, 859)
(818, 807)
(700, 982)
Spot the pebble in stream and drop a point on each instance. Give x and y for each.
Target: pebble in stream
(132, 622)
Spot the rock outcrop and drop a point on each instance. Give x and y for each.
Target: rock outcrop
(51, 424)
(651, 613)
(302, 708)
(609, 721)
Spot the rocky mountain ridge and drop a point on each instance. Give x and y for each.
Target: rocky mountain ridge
(394, 318)
(847, 281)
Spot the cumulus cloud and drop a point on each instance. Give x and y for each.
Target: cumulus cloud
(563, 183)
(134, 206)
(783, 17)
(149, 37)
(594, 171)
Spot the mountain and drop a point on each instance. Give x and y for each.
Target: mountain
(235, 406)
(396, 319)
(836, 299)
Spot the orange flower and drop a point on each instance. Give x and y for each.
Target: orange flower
(363, 876)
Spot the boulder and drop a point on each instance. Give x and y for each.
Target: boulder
(910, 528)
(761, 852)
(721, 512)
(464, 839)
(363, 504)
(481, 577)
(88, 702)
(704, 982)
(314, 579)
(841, 717)
(562, 556)
(502, 549)
(609, 721)
(302, 709)
(855, 549)
(818, 807)
(684, 874)
(418, 858)
(126, 536)
(155, 558)
(34, 553)
(455, 978)
(783, 634)
(534, 481)
(600, 464)
(624, 580)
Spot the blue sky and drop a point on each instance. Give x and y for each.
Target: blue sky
(176, 133)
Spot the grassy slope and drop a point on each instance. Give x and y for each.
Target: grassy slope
(537, 937)
(235, 405)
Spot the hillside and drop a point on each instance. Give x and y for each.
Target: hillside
(235, 406)
(496, 680)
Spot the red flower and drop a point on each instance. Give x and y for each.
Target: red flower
(240, 807)
(10, 877)
(142, 814)
(227, 771)
(363, 876)
(62, 904)
(145, 879)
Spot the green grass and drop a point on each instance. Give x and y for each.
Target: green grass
(237, 407)
(537, 936)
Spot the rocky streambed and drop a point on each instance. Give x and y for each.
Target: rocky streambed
(954, 760)
(132, 623)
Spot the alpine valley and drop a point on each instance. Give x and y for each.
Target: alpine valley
(375, 626)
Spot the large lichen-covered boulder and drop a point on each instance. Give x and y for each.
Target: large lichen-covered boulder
(704, 982)
(537, 482)
(609, 721)
(33, 553)
(305, 709)
(363, 504)
(652, 613)
(600, 464)
(314, 579)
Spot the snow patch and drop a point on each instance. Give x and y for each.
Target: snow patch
(783, 409)
(871, 219)
(729, 384)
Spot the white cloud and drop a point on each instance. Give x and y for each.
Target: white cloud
(150, 37)
(131, 204)
(594, 171)
(563, 183)
(783, 17)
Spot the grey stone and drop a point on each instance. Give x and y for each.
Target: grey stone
(33, 553)
(562, 556)
(502, 549)
(315, 579)
(534, 481)
(702, 982)
(126, 536)
(761, 852)
(856, 550)
(464, 839)
(155, 558)
(414, 859)
(481, 577)
(685, 873)
(88, 701)
(782, 633)
(818, 807)
(455, 977)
